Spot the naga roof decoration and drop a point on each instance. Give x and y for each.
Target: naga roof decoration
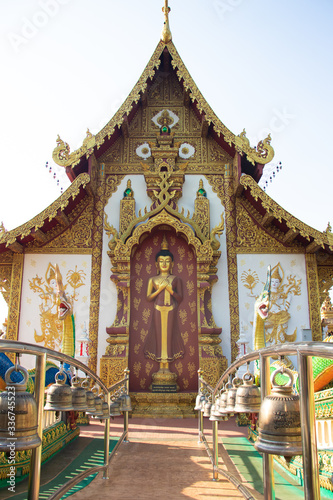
(262, 154)
(9, 238)
(294, 226)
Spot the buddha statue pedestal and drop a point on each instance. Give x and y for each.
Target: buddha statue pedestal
(164, 381)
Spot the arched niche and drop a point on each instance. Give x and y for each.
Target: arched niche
(124, 342)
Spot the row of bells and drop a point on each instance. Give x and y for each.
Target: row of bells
(279, 430)
(18, 408)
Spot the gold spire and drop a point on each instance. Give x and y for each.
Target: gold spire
(164, 244)
(166, 36)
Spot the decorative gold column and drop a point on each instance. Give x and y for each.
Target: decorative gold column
(201, 210)
(313, 295)
(96, 262)
(231, 236)
(115, 360)
(127, 209)
(15, 298)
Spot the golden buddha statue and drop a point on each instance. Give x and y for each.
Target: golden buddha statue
(164, 342)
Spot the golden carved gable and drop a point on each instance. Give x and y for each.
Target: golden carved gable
(114, 153)
(251, 238)
(77, 237)
(165, 89)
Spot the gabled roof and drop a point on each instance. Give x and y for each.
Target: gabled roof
(57, 216)
(269, 214)
(76, 162)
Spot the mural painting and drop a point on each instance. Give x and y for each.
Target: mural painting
(57, 319)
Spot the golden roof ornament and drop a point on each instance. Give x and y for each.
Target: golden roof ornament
(166, 36)
(165, 118)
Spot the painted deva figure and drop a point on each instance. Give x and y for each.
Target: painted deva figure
(164, 342)
(276, 325)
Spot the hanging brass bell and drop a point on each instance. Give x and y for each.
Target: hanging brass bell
(115, 408)
(18, 415)
(279, 431)
(199, 401)
(248, 396)
(125, 403)
(90, 397)
(79, 396)
(59, 395)
(207, 406)
(215, 415)
(231, 398)
(97, 412)
(223, 400)
(105, 411)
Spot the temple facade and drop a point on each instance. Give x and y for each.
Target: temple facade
(154, 256)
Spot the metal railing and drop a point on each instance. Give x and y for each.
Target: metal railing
(304, 351)
(205, 389)
(42, 353)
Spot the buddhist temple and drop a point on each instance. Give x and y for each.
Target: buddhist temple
(162, 266)
(163, 183)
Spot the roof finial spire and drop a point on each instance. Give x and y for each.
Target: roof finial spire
(166, 36)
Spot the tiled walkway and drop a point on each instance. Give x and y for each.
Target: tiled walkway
(164, 461)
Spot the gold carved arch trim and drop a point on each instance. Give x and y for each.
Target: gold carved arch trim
(123, 250)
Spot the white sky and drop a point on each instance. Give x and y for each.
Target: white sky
(262, 65)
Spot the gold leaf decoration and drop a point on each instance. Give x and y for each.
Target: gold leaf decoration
(192, 350)
(183, 316)
(136, 303)
(179, 367)
(148, 268)
(76, 278)
(136, 368)
(115, 350)
(149, 367)
(193, 326)
(190, 256)
(249, 279)
(193, 306)
(190, 287)
(142, 383)
(138, 285)
(185, 383)
(135, 324)
(138, 255)
(181, 252)
(191, 369)
(155, 240)
(180, 267)
(190, 269)
(184, 337)
(143, 334)
(148, 253)
(137, 348)
(145, 315)
(138, 268)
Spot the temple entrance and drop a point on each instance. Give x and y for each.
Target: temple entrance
(167, 341)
